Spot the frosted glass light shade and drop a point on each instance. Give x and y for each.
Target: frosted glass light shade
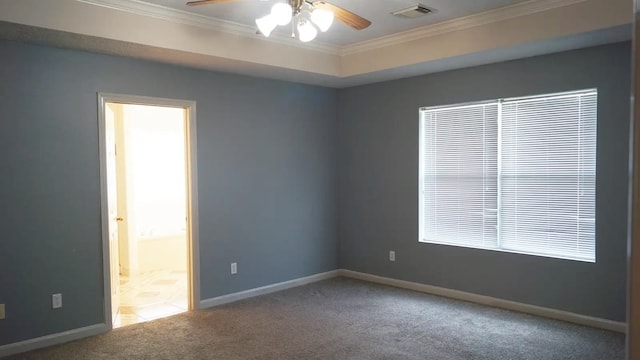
(266, 24)
(306, 30)
(281, 13)
(322, 18)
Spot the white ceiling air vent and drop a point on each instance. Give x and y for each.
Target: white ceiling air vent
(413, 11)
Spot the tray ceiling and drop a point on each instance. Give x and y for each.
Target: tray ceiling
(222, 37)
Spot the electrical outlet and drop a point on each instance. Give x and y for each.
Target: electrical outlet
(392, 255)
(1, 311)
(56, 301)
(234, 268)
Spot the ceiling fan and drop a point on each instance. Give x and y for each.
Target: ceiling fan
(310, 16)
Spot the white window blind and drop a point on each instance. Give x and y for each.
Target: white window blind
(513, 174)
(459, 174)
(548, 175)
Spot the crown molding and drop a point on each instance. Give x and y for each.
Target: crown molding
(184, 17)
(484, 18)
(142, 8)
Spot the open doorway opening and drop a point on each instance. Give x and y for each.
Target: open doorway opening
(147, 209)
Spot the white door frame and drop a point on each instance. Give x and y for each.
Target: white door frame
(192, 192)
(633, 249)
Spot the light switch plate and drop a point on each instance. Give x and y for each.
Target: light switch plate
(56, 301)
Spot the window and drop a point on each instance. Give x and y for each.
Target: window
(511, 174)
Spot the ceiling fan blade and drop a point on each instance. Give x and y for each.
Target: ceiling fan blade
(347, 17)
(207, 2)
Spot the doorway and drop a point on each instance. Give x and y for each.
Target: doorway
(147, 148)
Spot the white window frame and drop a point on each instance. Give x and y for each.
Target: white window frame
(421, 174)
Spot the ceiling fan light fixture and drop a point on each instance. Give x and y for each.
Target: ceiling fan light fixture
(281, 13)
(266, 24)
(305, 16)
(306, 30)
(322, 18)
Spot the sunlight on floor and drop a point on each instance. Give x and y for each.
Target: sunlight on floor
(151, 295)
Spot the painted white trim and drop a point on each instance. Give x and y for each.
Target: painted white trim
(490, 301)
(53, 339)
(224, 299)
(194, 239)
(206, 22)
(462, 23)
(70, 335)
(142, 8)
(104, 213)
(192, 188)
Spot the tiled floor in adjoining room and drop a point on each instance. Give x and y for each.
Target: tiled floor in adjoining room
(151, 295)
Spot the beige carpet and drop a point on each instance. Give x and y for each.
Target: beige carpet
(346, 319)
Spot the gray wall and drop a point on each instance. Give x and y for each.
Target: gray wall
(378, 184)
(266, 174)
(273, 158)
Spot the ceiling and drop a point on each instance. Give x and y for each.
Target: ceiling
(222, 37)
(245, 12)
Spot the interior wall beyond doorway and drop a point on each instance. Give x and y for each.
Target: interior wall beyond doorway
(152, 191)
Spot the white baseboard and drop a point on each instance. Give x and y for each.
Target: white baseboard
(75, 334)
(206, 303)
(491, 301)
(70, 335)
(53, 339)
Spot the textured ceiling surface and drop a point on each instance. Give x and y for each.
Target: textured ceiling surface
(378, 11)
